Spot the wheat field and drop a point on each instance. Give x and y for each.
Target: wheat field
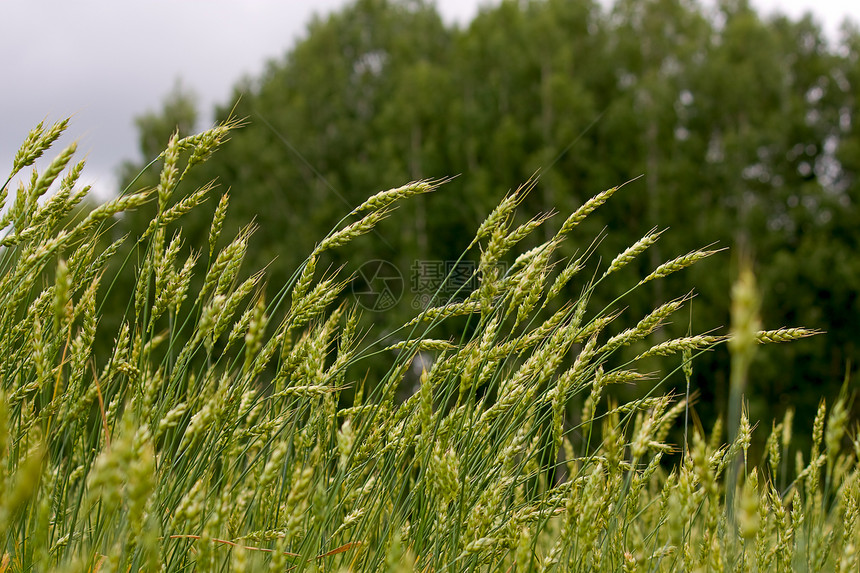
(226, 429)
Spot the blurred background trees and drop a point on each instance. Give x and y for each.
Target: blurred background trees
(744, 129)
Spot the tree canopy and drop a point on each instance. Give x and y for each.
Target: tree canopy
(744, 131)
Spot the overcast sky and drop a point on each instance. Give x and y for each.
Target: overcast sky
(105, 61)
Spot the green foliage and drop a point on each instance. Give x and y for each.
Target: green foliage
(214, 437)
(754, 148)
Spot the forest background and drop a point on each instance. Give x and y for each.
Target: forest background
(745, 131)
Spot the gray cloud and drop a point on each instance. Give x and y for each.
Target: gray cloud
(104, 62)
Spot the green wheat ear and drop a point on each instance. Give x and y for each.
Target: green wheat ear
(226, 429)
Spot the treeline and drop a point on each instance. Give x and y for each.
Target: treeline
(744, 131)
